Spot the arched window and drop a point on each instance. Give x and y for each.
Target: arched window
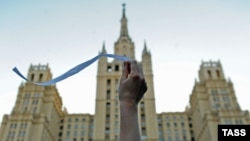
(209, 73)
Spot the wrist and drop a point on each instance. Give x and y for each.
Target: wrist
(128, 104)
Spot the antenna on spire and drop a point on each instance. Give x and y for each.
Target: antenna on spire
(124, 6)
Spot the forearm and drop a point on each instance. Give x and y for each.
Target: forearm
(129, 127)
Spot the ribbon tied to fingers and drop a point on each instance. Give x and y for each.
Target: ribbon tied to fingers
(74, 70)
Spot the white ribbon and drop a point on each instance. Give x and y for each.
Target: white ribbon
(74, 70)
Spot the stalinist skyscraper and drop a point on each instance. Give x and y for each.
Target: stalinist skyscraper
(108, 75)
(38, 114)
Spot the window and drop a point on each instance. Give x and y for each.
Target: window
(108, 105)
(107, 137)
(182, 124)
(190, 125)
(109, 68)
(76, 126)
(108, 82)
(215, 99)
(184, 138)
(214, 91)
(83, 125)
(27, 95)
(68, 133)
(168, 124)
(175, 118)
(60, 134)
(37, 95)
(218, 73)
(83, 120)
(143, 117)
(143, 131)
(175, 124)
(75, 133)
(228, 121)
(32, 77)
(238, 121)
(20, 134)
(116, 116)
(108, 94)
(226, 99)
(223, 91)
(209, 73)
(116, 67)
(107, 117)
(34, 109)
(40, 77)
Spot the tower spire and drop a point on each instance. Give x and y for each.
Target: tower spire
(103, 48)
(123, 10)
(145, 47)
(124, 28)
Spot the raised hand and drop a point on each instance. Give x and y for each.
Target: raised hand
(132, 83)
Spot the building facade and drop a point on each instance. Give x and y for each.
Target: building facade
(38, 114)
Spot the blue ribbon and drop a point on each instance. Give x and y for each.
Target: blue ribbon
(74, 70)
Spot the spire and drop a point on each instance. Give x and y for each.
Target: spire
(124, 28)
(145, 47)
(103, 48)
(123, 10)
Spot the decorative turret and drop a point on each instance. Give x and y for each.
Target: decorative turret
(146, 60)
(103, 48)
(211, 71)
(102, 62)
(39, 73)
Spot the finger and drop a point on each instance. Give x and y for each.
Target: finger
(143, 89)
(134, 67)
(140, 70)
(125, 70)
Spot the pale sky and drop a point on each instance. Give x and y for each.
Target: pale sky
(179, 34)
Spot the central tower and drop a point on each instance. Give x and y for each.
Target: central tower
(107, 112)
(124, 45)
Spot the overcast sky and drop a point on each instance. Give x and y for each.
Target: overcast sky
(179, 34)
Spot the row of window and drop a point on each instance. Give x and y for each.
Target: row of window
(15, 125)
(219, 91)
(231, 121)
(83, 125)
(74, 139)
(219, 106)
(174, 118)
(36, 95)
(76, 120)
(34, 101)
(12, 134)
(110, 69)
(175, 124)
(224, 98)
(75, 133)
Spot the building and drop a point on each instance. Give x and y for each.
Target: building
(38, 114)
